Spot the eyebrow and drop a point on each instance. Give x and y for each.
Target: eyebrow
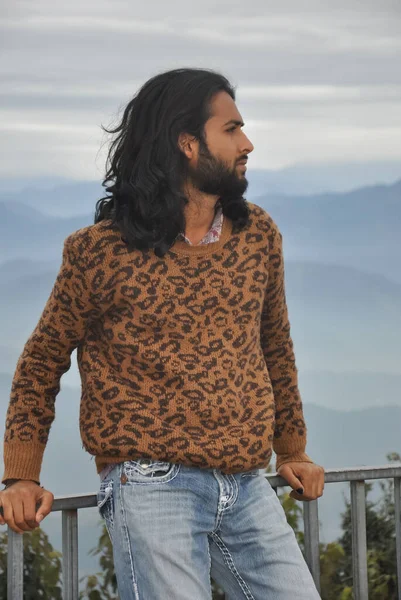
(234, 122)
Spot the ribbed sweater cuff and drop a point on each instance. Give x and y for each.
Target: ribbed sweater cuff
(22, 461)
(281, 459)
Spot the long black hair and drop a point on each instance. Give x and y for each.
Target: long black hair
(146, 170)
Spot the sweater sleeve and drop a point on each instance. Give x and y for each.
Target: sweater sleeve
(289, 440)
(46, 356)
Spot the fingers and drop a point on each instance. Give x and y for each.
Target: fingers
(21, 507)
(9, 515)
(29, 505)
(318, 483)
(20, 510)
(46, 503)
(301, 497)
(308, 495)
(294, 481)
(313, 488)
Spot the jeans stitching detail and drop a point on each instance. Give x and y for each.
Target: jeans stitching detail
(236, 490)
(106, 505)
(210, 566)
(230, 504)
(169, 476)
(126, 535)
(230, 563)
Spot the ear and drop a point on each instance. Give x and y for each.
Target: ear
(188, 145)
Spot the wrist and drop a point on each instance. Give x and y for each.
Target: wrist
(9, 482)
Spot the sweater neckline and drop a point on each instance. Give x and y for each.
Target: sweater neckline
(180, 246)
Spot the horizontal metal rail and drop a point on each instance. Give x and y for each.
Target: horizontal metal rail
(69, 506)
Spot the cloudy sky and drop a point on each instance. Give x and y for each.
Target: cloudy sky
(317, 81)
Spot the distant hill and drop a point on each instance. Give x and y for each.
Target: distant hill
(343, 284)
(32, 234)
(307, 179)
(20, 210)
(370, 210)
(336, 438)
(359, 228)
(293, 180)
(350, 390)
(342, 319)
(63, 201)
(23, 267)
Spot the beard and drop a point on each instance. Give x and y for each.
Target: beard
(213, 176)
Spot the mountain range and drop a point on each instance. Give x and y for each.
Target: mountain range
(343, 283)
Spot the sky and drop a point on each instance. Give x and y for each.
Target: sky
(316, 81)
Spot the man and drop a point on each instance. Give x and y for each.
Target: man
(175, 300)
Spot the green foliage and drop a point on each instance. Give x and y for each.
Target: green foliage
(42, 567)
(331, 559)
(380, 537)
(336, 565)
(336, 575)
(103, 585)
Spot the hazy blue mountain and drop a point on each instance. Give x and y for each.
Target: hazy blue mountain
(345, 322)
(343, 283)
(65, 200)
(21, 303)
(295, 179)
(19, 210)
(8, 358)
(12, 184)
(359, 228)
(350, 390)
(335, 437)
(320, 178)
(33, 234)
(345, 438)
(342, 319)
(372, 211)
(22, 267)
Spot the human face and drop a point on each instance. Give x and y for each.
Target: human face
(218, 169)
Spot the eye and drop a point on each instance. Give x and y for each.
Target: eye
(231, 130)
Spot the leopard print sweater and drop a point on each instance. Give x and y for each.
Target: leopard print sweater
(211, 236)
(186, 358)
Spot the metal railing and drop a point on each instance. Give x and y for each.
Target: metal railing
(69, 506)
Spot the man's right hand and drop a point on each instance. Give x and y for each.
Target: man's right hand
(24, 505)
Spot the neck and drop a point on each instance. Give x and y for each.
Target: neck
(199, 212)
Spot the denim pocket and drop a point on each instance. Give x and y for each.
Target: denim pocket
(105, 503)
(145, 470)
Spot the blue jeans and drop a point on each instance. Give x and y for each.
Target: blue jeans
(173, 527)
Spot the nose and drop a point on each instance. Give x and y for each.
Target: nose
(247, 146)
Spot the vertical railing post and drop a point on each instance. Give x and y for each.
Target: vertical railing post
(397, 511)
(359, 546)
(311, 536)
(15, 565)
(70, 554)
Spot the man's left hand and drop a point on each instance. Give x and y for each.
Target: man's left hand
(306, 476)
